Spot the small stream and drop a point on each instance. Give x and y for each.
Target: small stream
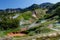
(15, 16)
(34, 24)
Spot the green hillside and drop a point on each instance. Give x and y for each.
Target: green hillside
(31, 21)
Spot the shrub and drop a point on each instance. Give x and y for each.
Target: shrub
(9, 24)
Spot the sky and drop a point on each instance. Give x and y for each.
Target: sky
(22, 3)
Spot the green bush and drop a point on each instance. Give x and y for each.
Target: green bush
(9, 24)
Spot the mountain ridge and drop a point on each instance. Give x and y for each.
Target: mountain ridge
(32, 7)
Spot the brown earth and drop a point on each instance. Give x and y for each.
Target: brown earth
(16, 34)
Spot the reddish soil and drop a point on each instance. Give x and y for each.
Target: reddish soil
(12, 34)
(23, 29)
(17, 34)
